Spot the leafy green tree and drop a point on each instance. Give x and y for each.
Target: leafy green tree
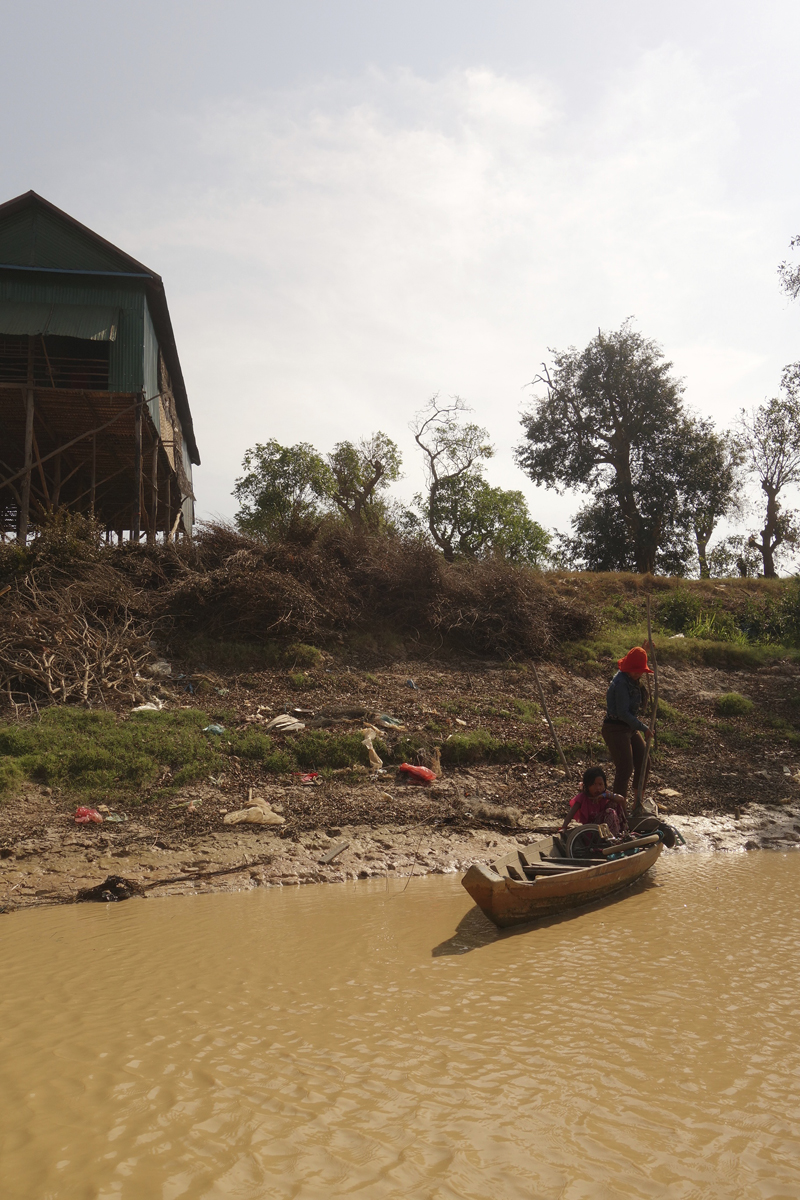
(284, 490)
(478, 520)
(463, 513)
(709, 479)
(771, 438)
(454, 453)
(610, 422)
(361, 472)
(600, 541)
(734, 555)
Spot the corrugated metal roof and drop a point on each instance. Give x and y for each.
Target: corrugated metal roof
(90, 322)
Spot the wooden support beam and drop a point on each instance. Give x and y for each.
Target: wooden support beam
(136, 520)
(57, 482)
(40, 468)
(168, 519)
(94, 474)
(81, 437)
(153, 530)
(25, 506)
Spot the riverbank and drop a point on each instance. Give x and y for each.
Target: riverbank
(53, 869)
(727, 773)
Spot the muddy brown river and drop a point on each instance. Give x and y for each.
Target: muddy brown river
(347, 1040)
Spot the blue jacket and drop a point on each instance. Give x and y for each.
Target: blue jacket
(623, 701)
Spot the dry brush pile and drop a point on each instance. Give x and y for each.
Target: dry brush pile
(78, 619)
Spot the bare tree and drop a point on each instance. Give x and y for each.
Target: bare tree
(454, 453)
(790, 275)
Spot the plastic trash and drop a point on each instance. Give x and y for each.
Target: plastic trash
(114, 887)
(151, 706)
(87, 816)
(285, 724)
(410, 683)
(384, 721)
(418, 774)
(217, 729)
(256, 815)
(160, 669)
(369, 732)
(306, 776)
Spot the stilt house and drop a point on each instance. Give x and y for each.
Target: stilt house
(93, 407)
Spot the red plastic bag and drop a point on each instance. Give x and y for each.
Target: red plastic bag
(419, 774)
(84, 815)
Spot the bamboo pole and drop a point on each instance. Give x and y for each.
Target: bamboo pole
(549, 722)
(651, 649)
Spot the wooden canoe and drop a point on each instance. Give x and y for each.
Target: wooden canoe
(541, 881)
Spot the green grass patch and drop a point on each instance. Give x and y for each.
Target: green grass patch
(481, 746)
(316, 748)
(105, 758)
(732, 704)
(527, 711)
(11, 777)
(679, 741)
(670, 715)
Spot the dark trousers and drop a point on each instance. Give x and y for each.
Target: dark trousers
(626, 747)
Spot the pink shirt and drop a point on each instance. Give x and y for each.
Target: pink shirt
(588, 810)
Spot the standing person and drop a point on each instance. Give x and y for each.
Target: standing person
(622, 731)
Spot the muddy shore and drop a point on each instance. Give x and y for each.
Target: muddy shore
(727, 783)
(54, 868)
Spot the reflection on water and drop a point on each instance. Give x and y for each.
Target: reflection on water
(344, 1040)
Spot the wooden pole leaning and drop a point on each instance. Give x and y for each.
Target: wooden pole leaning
(546, 712)
(649, 741)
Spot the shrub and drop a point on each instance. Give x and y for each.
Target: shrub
(716, 626)
(678, 609)
(301, 655)
(732, 704)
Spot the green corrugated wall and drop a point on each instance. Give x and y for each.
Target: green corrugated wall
(126, 361)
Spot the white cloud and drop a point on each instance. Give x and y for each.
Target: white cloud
(365, 244)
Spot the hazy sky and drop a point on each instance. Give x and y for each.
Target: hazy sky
(357, 204)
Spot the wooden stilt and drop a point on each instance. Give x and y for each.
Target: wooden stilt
(25, 496)
(94, 474)
(136, 520)
(168, 518)
(153, 530)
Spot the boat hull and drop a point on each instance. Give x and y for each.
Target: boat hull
(507, 901)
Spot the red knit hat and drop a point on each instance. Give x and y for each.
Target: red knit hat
(635, 661)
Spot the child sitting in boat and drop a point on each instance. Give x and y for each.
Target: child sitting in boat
(595, 805)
